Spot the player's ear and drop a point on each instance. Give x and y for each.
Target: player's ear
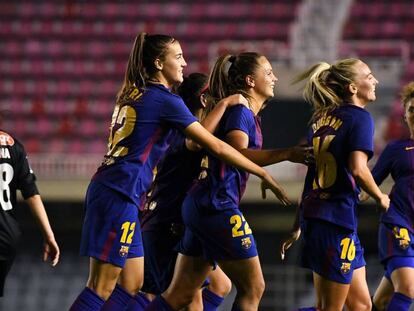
(352, 88)
(250, 81)
(158, 64)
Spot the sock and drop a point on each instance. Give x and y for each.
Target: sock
(399, 302)
(211, 301)
(118, 300)
(87, 300)
(306, 309)
(138, 303)
(158, 304)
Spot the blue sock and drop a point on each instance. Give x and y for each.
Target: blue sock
(87, 300)
(399, 302)
(118, 300)
(211, 301)
(158, 304)
(138, 303)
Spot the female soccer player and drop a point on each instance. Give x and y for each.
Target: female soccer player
(145, 113)
(216, 230)
(342, 138)
(162, 225)
(396, 232)
(16, 174)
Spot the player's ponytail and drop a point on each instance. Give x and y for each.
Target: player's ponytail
(327, 85)
(141, 63)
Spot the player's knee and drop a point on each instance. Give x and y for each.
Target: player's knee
(132, 289)
(221, 288)
(181, 300)
(361, 305)
(102, 290)
(254, 289)
(407, 290)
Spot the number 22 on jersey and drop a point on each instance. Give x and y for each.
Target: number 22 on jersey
(122, 125)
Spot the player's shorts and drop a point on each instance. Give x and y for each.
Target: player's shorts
(111, 230)
(331, 251)
(160, 257)
(395, 247)
(215, 235)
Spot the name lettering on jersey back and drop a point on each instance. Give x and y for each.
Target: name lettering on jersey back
(4, 153)
(134, 94)
(330, 121)
(6, 139)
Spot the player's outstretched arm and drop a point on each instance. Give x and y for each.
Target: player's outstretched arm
(51, 248)
(231, 156)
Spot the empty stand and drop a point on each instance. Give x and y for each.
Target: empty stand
(65, 60)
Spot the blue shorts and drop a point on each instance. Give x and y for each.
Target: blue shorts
(111, 231)
(396, 247)
(160, 257)
(215, 235)
(394, 240)
(331, 251)
(394, 263)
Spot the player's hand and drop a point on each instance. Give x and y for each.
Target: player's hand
(269, 183)
(363, 196)
(236, 99)
(301, 154)
(51, 251)
(384, 202)
(287, 242)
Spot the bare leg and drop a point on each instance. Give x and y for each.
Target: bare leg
(132, 275)
(383, 294)
(102, 277)
(189, 275)
(358, 298)
(331, 295)
(403, 280)
(220, 284)
(247, 276)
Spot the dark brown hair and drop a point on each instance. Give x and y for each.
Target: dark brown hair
(141, 63)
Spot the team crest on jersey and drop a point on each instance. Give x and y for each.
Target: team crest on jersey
(403, 244)
(346, 267)
(6, 139)
(123, 251)
(246, 243)
(402, 236)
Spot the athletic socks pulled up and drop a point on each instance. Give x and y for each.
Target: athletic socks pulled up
(118, 300)
(138, 303)
(399, 302)
(211, 301)
(158, 304)
(87, 300)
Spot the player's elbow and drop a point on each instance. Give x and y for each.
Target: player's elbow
(217, 147)
(358, 171)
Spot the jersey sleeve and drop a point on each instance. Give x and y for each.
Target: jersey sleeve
(26, 179)
(175, 112)
(361, 134)
(383, 166)
(238, 118)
